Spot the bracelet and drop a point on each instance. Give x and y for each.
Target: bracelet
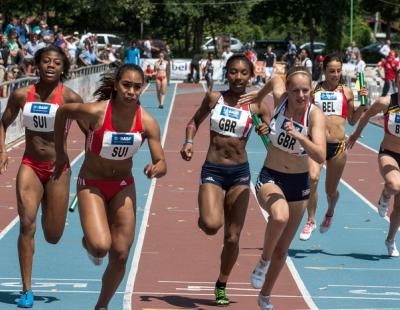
(188, 142)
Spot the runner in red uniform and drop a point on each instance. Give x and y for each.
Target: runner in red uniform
(39, 104)
(118, 125)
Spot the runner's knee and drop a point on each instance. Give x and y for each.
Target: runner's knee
(393, 186)
(27, 227)
(232, 239)
(210, 227)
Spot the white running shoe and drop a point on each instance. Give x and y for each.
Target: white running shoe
(383, 205)
(264, 302)
(307, 230)
(95, 260)
(258, 275)
(391, 248)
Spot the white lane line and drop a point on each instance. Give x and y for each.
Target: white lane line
(368, 286)
(54, 279)
(200, 282)
(324, 268)
(127, 302)
(60, 291)
(295, 274)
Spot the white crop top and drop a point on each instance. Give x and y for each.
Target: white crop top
(230, 121)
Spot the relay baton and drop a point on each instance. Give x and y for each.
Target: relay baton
(256, 119)
(73, 204)
(362, 84)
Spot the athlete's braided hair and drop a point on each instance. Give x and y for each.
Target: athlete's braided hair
(106, 90)
(242, 57)
(53, 48)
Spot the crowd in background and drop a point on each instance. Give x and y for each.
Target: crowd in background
(21, 38)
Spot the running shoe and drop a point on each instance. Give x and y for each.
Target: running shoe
(258, 275)
(383, 205)
(391, 248)
(26, 300)
(95, 260)
(307, 230)
(264, 302)
(326, 224)
(220, 296)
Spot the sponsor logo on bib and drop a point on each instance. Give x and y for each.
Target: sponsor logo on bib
(40, 108)
(122, 139)
(232, 113)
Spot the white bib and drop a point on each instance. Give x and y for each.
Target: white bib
(280, 138)
(230, 121)
(39, 116)
(393, 124)
(119, 146)
(330, 102)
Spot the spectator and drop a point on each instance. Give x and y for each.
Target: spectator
(132, 54)
(6, 90)
(385, 49)
(318, 73)
(351, 52)
(290, 56)
(360, 64)
(149, 74)
(305, 60)
(108, 56)
(195, 66)
(41, 27)
(270, 62)
(225, 56)
(4, 51)
(31, 47)
(11, 26)
(72, 47)
(168, 57)
(390, 66)
(60, 40)
(16, 55)
(89, 57)
(147, 48)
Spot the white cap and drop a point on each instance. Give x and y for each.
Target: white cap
(89, 34)
(76, 33)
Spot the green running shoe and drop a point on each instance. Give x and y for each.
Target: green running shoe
(220, 296)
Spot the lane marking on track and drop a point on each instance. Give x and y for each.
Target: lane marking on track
(368, 286)
(280, 296)
(324, 268)
(212, 294)
(363, 228)
(127, 301)
(59, 291)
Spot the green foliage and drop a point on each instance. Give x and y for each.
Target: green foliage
(185, 23)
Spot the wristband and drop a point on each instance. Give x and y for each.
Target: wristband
(188, 142)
